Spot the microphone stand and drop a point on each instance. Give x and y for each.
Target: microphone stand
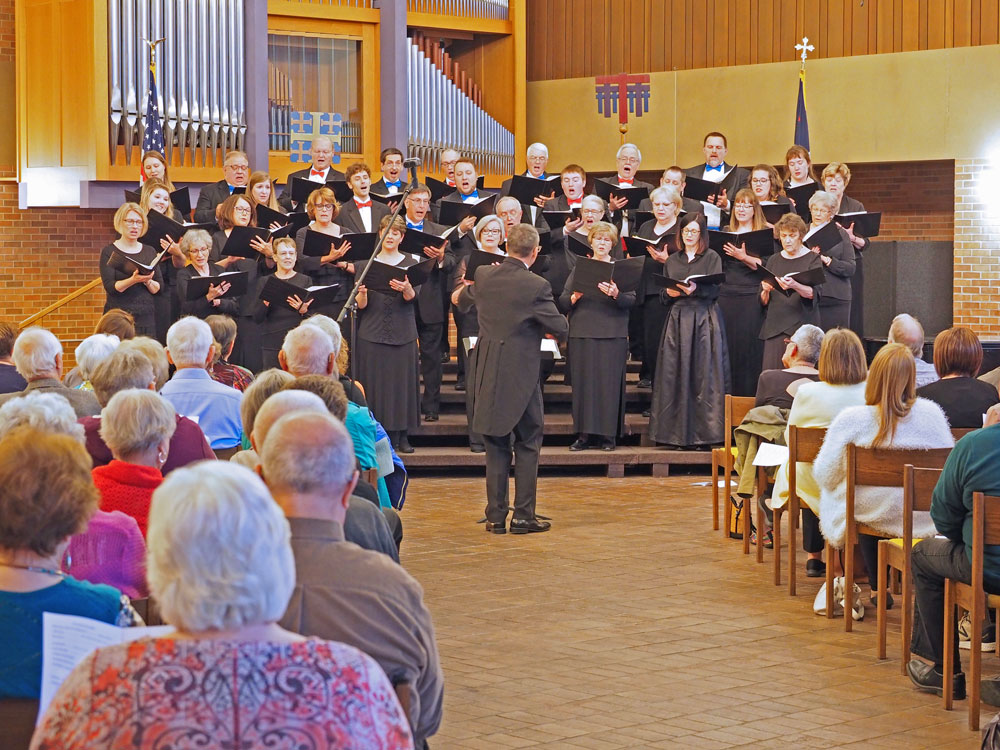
(351, 306)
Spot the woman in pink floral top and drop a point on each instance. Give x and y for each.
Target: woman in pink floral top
(221, 569)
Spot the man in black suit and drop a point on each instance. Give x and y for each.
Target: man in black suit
(361, 214)
(392, 170)
(628, 160)
(715, 169)
(321, 153)
(537, 161)
(430, 315)
(674, 177)
(515, 309)
(236, 168)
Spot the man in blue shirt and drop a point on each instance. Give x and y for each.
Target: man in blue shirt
(193, 392)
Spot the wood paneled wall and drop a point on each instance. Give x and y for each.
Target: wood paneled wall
(581, 38)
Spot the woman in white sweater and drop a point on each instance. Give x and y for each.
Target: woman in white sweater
(842, 373)
(893, 418)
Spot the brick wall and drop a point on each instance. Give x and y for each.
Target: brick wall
(977, 240)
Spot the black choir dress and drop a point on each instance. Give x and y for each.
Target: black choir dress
(598, 348)
(137, 299)
(387, 358)
(835, 305)
(692, 373)
(784, 314)
(325, 274)
(652, 312)
(247, 349)
(849, 205)
(274, 321)
(743, 316)
(167, 308)
(201, 307)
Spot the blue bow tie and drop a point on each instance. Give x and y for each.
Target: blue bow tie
(709, 168)
(419, 227)
(470, 196)
(396, 184)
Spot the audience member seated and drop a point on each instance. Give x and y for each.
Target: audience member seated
(155, 352)
(216, 407)
(137, 426)
(893, 417)
(906, 330)
(778, 387)
(972, 466)
(115, 322)
(38, 357)
(129, 368)
(265, 385)
(41, 510)
(224, 332)
(222, 572)
(958, 355)
(89, 354)
(366, 525)
(10, 379)
(110, 550)
(342, 592)
(842, 373)
(332, 329)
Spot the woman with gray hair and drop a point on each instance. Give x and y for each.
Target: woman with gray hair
(196, 245)
(220, 566)
(839, 262)
(137, 426)
(90, 353)
(265, 385)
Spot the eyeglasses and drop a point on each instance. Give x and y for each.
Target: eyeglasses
(242, 210)
(760, 180)
(134, 222)
(449, 163)
(628, 160)
(691, 230)
(238, 167)
(591, 211)
(323, 206)
(492, 230)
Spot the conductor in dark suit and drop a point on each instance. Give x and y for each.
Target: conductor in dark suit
(716, 169)
(516, 309)
(361, 214)
(321, 172)
(236, 169)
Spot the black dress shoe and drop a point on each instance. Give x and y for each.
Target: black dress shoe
(445, 358)
(580, 444)
(645, 383)
(496, 528)
(989, 691)
(928, 679)
(815, 568)
(404, 447)
(431, 417)
(647, 413)
(477, 448)
(607, 445)
(460, 385)
(528, 526)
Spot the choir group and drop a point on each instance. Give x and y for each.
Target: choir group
(701, 278)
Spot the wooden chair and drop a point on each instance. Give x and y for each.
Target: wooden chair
(918, 486)
(722, 458)
(971, 596)
(871, 467)
(17, 722)
(803, 445)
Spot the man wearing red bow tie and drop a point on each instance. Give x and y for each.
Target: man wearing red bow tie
(361, 214)
(628, 159)
(320, 171)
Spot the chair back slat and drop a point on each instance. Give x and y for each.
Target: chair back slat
(918, 487)
(17, 721)
(808, 441)
(883, 467)
(960, 432)
(737, 408)
(991, 519)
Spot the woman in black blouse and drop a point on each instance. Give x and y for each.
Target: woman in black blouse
(958, 355)
(133, 292)
(275, 320)
(155, 196)
(835, 179)
(784, 313)
(692, 372)
(196, 245)
(598, 347)
(839, 261)
(386, 349)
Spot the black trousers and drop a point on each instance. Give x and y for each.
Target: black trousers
(834, 313)
(527, 444)
(654, 317)
(429, 337)
(869, 551)
(932, 561)
(812, 538)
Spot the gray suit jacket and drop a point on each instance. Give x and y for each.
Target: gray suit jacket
(515, 309)
(84, 403)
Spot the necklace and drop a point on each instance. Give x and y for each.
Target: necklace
(34, 569)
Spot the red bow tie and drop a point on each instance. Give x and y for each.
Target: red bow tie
(366, 204)
(625, 180)
(575, 204)
(449, 183)
(317, 172)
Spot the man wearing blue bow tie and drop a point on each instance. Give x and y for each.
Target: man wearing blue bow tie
(716, 169)
(392, 169)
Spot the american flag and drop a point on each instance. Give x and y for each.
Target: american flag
(152, 138)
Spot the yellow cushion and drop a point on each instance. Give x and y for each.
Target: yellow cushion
(899, 542)
(734, 451)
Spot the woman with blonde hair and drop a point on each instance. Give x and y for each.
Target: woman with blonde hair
(893, 417)
(261, 191)
(323, 209)
(132, 291)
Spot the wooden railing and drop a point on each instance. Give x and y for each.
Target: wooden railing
(60, 302)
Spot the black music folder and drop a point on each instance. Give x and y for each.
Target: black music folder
(636, 247)
(318, 244)
(277, 291)
(127, 263)
(414, 241)
(641, 217)
(238, 243)
(759, 242)
(160, 227)
(824, 238)
(774, 211)
(698, 278)
(380, 274)
(479, 258)
(558, 219)
(526, 189)
(588, 273)
(385, 200)
(866, 224)
(453, 212)
(635, 195)
(810, 277)
(238, 281)
(801, 196)
(302, 188)
(578, 246)
(701, 190)
(267, 216)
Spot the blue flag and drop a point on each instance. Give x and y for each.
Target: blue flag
(801, 121)
(152, 137)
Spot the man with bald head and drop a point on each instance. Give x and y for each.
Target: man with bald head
(906, 330)
(319, 172)
(342, 592)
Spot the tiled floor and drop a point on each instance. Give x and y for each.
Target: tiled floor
(632, 625)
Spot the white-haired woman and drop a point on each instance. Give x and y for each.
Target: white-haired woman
(137, 426)
(90, 353)
(276, 320)
(220, 566)
(196, 245)
(839, 262)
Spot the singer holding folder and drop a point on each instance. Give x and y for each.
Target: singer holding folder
(839, 260)
(323, 209)
(196, 245)
(133, 292)
(598, 349)
(785, 313)
(274, 318)
(692, 372)
(836, 177)
(386, 350)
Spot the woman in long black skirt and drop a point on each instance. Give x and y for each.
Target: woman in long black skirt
(692, 372)
(598, 347)
(386, 349)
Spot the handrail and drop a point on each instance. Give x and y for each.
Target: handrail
(60, 302)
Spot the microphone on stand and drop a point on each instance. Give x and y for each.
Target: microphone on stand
(412, 164)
